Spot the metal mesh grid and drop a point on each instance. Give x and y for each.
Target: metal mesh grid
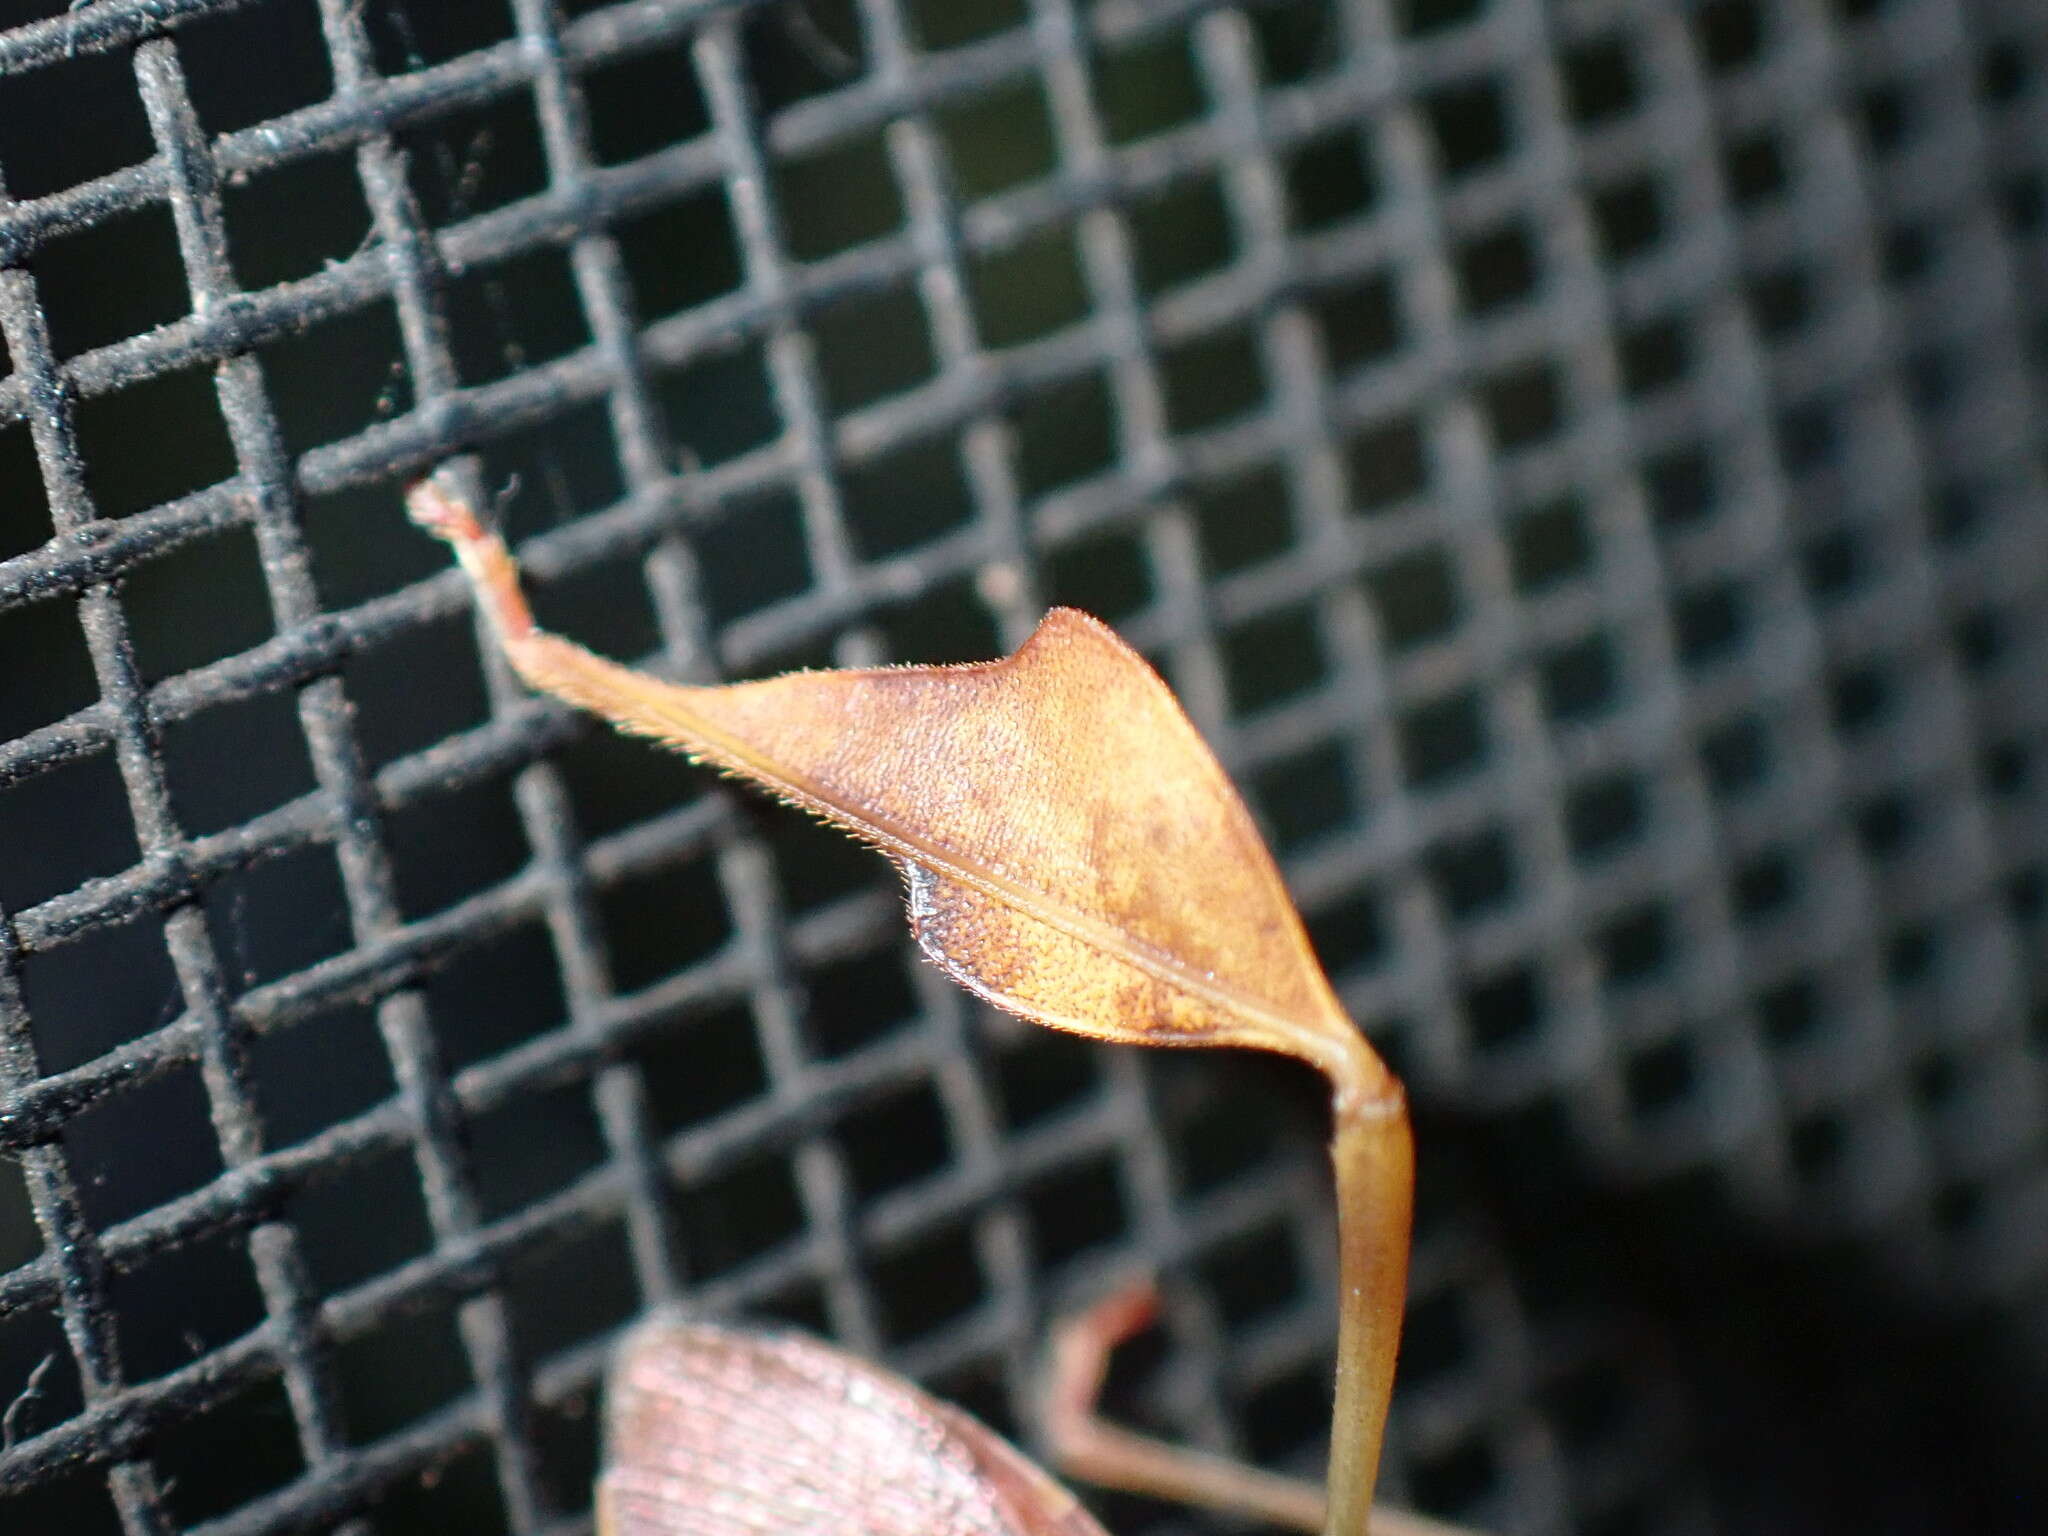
(1581, 464)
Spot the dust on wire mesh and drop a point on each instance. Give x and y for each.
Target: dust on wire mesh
(1580, 463)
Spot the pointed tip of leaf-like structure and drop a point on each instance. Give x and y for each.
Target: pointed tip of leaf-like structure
(1074, 851)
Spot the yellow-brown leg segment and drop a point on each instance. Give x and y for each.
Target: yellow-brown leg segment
(1085, 1446)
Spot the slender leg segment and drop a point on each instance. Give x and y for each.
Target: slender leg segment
(1087, 1447)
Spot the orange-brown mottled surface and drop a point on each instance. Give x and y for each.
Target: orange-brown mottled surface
(1073, 850)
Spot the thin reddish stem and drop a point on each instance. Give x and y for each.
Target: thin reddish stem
(436, 507)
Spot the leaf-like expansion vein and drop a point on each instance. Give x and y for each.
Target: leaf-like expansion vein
(728, 752)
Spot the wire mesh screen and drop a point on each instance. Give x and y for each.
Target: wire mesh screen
(1580, 463)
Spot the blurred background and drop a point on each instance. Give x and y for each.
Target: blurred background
(1581, 464)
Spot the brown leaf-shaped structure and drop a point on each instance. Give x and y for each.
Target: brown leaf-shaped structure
(1074, 853)
(1073, 850)
(717, 1432)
